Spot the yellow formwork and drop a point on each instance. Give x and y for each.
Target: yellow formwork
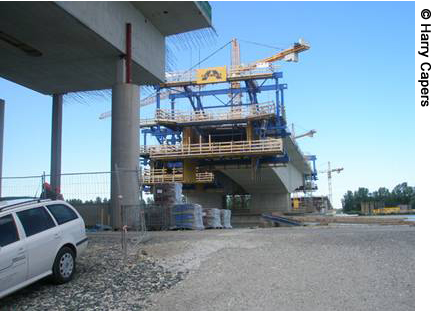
(271, 146)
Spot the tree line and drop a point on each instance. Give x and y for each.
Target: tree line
(401, 194)
(98, 200)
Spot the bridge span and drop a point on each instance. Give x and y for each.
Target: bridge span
(269, 187)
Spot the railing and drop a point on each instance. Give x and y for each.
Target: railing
(181, 76)
(252, 69)
(212, 149)
(232, 113)
(148, 122)
(175, 175)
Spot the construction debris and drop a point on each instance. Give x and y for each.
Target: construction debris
(280, 220)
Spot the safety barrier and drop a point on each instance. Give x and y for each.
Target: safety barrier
(175, 175)
(167, 116)
(270, 146)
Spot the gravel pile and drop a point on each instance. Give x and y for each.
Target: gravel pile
(102, 282)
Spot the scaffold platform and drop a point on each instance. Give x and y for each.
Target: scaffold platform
(270, 146)
(174, 175)
(204, 117)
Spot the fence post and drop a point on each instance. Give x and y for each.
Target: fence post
(43, 181)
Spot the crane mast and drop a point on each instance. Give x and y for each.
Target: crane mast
(235, 63)
(329, 172)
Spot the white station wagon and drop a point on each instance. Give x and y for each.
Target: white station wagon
(38, 238)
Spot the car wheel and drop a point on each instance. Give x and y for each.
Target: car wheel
(64, 266)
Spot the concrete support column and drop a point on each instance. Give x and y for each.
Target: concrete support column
(270, 202)
(55, 161)
(125, 149)
(205, 199)
(2, 126)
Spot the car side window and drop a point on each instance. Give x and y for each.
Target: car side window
(62, 213)
(35, 220)
(8, 231)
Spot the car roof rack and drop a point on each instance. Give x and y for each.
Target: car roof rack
(17, 198)
(17, 204)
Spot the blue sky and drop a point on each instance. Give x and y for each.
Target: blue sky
(355, 86)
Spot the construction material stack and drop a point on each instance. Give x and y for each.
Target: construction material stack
(212, 218)
(186, 216)
(226, 218)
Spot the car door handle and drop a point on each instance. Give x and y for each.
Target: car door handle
(21, 257)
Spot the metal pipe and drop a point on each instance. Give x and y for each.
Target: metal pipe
(277, 100)
(128, 52)
(158, 97)
(55, 165)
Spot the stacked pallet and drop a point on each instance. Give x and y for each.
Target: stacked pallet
(186, 216)
(226, 218)
(212, 218)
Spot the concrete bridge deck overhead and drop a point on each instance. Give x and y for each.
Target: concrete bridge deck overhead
(58, 47)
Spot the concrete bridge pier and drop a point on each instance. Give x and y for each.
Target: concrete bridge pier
(206, 199)
(270, 202)
(56, 143)
(125, 152)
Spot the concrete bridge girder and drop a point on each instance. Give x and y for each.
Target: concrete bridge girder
(270, 190)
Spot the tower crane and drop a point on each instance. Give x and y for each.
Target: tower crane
(289, 54)
(235, 63)
(308, 133)
(329, 172)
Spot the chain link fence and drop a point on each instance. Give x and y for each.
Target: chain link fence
(76, 187)
(158, 217)
(23, 186)
(89, 193)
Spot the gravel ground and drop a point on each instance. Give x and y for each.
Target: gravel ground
(350, 267)
(103, 282)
